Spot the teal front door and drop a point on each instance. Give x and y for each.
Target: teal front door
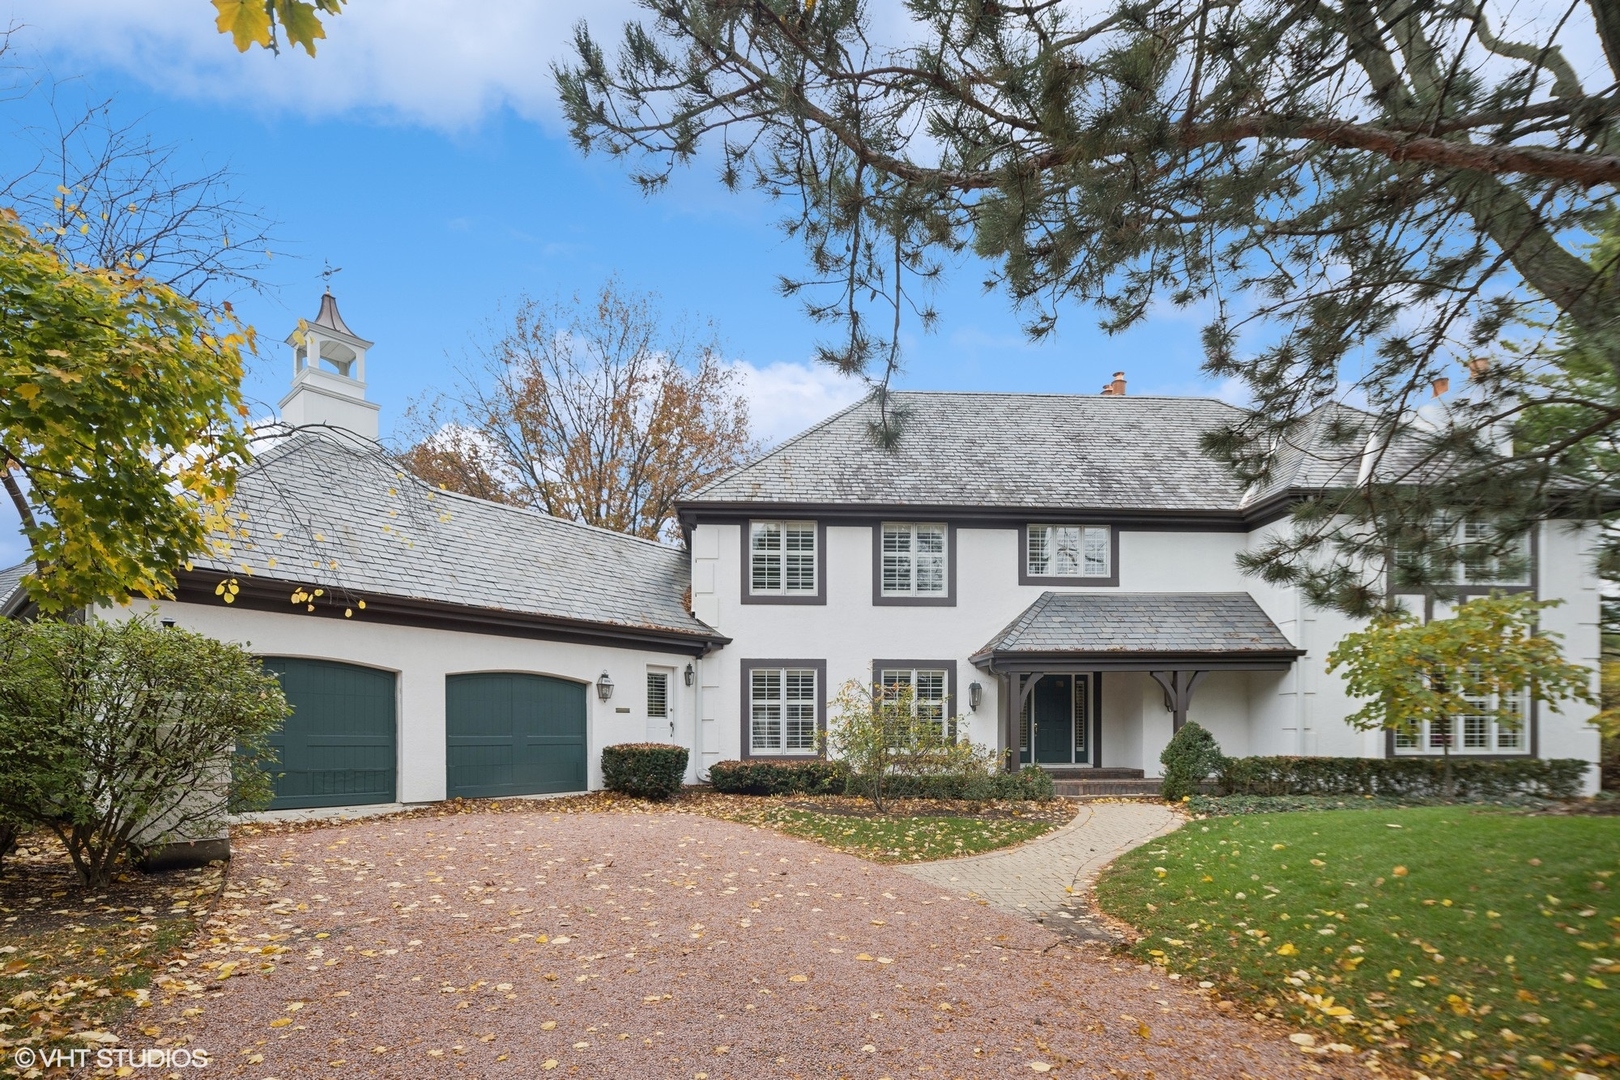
(513, 734)
(1053, 704)
(337, 747)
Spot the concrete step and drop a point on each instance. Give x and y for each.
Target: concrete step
(1079, 772)
(1118, 787)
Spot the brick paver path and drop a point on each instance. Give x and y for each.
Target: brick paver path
(1047, 879)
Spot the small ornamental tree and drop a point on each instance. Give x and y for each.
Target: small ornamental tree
(878, 732)
(120, 737)
(1480, 661)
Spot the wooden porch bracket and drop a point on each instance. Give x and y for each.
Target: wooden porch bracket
(1178, 689)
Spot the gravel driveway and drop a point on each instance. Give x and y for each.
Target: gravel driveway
(655, 945)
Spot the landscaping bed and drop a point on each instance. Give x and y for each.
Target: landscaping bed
(74, 962)
(1467, 940)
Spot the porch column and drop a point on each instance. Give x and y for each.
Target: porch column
(1178, 689)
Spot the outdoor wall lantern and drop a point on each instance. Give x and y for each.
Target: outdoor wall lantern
(604, 687)
(975, 696)
(690, 674)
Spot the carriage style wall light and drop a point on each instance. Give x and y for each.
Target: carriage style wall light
(604, 687)
(975, 696)
(690, 674)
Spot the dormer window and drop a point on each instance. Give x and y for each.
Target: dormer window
(1069, 555)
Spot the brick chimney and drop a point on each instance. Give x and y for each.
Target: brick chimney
(1117, 387)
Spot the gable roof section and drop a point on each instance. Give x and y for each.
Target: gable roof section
(315, 499)
(1228, 626)
(1030, 451)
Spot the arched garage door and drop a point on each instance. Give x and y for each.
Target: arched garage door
(513, 734)
(337, 747)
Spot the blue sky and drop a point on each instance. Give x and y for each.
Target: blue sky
(426, 158)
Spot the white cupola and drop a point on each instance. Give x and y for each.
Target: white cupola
(329, 375)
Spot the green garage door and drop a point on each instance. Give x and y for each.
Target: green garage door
(512, 734)
(337, 747)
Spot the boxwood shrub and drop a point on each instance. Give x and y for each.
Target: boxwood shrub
(812, 776)
(1471, 776)
(1189, 759)
(645, 770)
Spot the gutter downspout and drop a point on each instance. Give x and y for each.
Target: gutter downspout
(697, 719)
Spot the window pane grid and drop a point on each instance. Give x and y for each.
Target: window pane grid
(657, 693)
(782, 558)
(912, 560)
(1069, 551)
(782, 711)
(1484, 731)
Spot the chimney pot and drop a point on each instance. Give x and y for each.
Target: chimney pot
(1117, 387)
(1441, 385)
(1478, 366)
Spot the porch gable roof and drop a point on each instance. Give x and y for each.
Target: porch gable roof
(1142, 631)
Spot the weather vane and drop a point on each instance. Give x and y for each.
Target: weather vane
(326, 274)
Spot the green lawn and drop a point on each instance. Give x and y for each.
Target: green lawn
(898, 837)
(1472, 942)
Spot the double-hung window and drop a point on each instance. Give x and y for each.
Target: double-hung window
(912, 561)
(782, 706)
(1489, 560)
(930, 692)
(1069, 551)
(782, 558)
(1484, 730)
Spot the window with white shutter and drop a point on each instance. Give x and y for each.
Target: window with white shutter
(930, 693)
(782, 705)
(657, 694)
(913, 559)
(782, 558)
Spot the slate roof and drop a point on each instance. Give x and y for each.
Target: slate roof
(11, 585)
(1001, 450)
(329, 499)
(1100, 623)
(1317, 456)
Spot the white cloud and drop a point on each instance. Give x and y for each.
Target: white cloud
(784, 398)
(441, 63)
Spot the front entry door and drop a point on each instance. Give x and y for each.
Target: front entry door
(1053, 703)
(1060, 705)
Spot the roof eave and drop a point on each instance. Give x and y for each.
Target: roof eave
(1001, 661)
(268, 594)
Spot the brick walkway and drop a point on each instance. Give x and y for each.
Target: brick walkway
(1047, 879)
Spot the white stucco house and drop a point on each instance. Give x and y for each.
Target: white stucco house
(1056, 572)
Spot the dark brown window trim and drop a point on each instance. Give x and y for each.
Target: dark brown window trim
(880, 600)
(745, 690)
(948, 666)
(747, 560)
(1026, 578)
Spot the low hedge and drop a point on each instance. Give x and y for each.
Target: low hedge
(812, 776)
(645, 770)
(1411, 777)
(1030, 782)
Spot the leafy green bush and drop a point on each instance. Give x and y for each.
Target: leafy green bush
(1408, 776)
(1190, 759)
(1029, 783)
(119, 736)
(812, 776)
(645, 770)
